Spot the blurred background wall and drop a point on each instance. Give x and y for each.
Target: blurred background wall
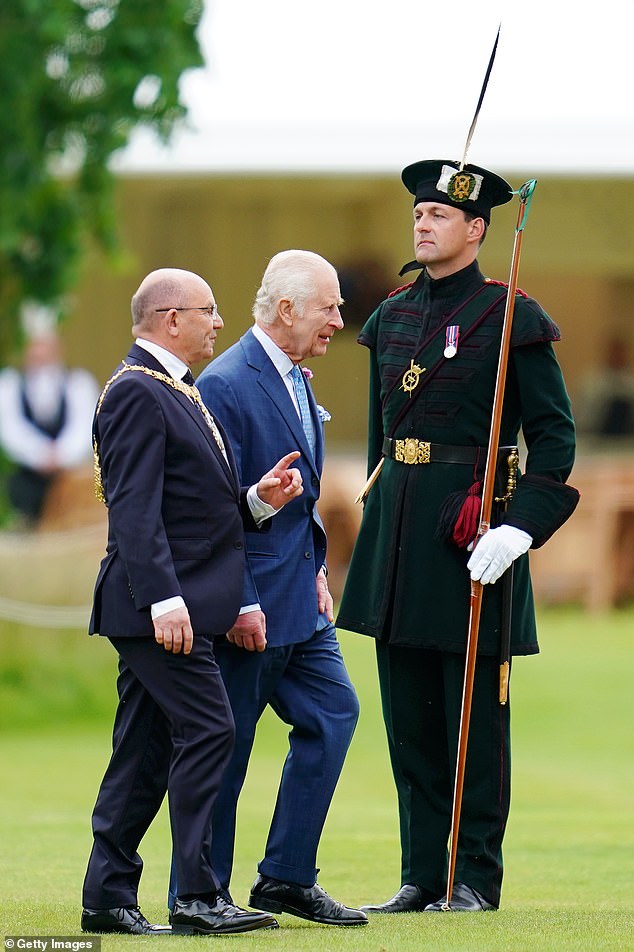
(577, 260)
(297, 126)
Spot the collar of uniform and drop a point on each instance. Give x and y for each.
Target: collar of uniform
(453, 285)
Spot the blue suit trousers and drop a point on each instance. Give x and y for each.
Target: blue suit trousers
(308, 687)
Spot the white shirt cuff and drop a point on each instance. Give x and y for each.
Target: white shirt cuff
(260, 510)
(167, 605)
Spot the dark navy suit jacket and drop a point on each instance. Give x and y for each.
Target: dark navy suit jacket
(176, 513)
(244, 390)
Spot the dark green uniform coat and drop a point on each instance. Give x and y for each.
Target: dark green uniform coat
(404, 584)
(410, 589)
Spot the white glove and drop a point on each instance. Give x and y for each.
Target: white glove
(495, 551)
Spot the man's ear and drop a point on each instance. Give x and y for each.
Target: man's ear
(285, 311)
(171, 322)
(476, 229)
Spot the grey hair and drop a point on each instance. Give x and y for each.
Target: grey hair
(289, 274)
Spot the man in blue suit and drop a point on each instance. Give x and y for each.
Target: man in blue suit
(283, 648)
(171, 581)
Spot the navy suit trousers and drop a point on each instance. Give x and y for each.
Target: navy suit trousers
(173, 733)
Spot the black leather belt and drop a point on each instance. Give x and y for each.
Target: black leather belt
(412, 451)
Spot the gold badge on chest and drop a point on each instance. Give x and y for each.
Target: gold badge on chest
(411, 377)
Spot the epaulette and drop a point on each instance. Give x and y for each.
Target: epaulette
(504, 284)
(398, 290)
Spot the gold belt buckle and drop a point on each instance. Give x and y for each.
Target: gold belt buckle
(412, 451)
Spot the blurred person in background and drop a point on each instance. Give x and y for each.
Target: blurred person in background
(46, 413)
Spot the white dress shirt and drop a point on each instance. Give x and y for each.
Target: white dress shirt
(281, 361)
(23, 442)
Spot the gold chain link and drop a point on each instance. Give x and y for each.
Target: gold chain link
(190, 391)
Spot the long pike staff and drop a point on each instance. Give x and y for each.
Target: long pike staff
(525, 194)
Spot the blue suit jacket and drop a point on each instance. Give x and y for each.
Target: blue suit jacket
(176, 514)
(243, 389)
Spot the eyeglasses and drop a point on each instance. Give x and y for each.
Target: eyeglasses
(211, 310)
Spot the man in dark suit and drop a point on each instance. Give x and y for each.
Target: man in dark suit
(283, 649)
(171, 580)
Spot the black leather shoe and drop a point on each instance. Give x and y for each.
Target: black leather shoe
(124, 920)
(409, 898)
(222, 894)
(219, 917)
(307, 902)
(463, 899)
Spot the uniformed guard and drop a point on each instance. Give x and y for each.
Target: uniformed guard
(434, 348)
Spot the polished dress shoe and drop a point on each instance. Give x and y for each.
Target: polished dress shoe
(307, 902)
(218, 917)
(463, 899)
(124, 920)
(409, 898)
(221, 894)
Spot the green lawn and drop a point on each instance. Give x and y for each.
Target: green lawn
(569, 848)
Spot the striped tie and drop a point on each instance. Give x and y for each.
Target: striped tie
(299, 387)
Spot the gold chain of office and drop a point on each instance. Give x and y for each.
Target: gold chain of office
(190, 391)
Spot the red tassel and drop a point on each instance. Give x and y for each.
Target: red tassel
(466, 525)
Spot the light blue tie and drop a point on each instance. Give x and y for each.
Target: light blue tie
(302, 399)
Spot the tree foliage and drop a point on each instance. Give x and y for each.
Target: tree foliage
(76, 76)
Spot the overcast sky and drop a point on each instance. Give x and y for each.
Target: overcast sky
(356, 85)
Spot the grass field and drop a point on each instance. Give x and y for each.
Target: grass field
(569, 850)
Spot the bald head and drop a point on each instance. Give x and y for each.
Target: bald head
(176, 309)
(166, 287)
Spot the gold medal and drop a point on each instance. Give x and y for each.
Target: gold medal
(411, 375)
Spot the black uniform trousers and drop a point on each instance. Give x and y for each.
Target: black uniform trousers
(173, 733)
(421, 692)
